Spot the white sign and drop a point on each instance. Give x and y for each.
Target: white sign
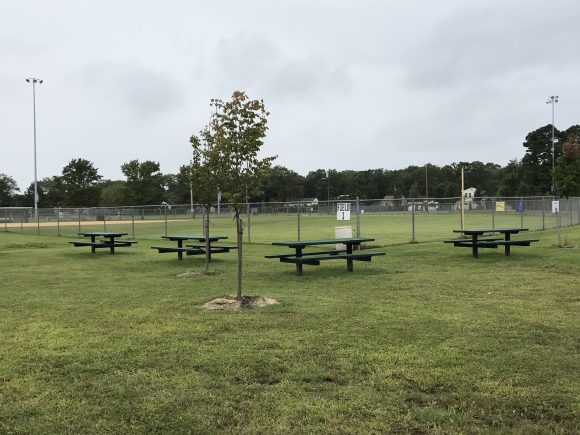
(555, 206)
(343, 211)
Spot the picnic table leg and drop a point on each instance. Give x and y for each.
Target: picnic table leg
(474, 246)
(349, 267)
(507, 246)
(179, 253)
(299, 269)
(93, 249)
(112, 247)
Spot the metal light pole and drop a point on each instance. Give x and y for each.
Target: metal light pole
(328, 186)
(34, 81)
(426, 183)
(553, 100)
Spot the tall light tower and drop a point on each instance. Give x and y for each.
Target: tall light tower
(34, 81)
(553, 100)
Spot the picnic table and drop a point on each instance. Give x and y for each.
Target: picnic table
(315, 257)
(485, 238)
(108, 239)
(193, 249)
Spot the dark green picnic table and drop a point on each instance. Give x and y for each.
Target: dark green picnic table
(193, 249)
(490, 241)
(313, 258)
(110, 239)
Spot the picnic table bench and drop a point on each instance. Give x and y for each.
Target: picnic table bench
(299, 257)
(108, 240)
(194, 249)
(490, 241)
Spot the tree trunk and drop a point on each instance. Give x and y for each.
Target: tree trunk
(206, 234)
(240, 233)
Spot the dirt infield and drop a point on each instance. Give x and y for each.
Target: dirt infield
(76, 223)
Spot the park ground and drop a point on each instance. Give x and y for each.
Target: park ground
(425, 339)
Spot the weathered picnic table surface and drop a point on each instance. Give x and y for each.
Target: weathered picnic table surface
(490, 241)
(109, 239)
(314, 257)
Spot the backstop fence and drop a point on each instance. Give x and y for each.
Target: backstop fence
(388, 220)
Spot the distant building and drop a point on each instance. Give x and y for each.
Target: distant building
(469, 193)
(309, 202)
(468, 199)
(392, 203)
(424, 206)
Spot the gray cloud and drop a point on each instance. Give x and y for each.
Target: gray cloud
(144, 92)
(252, 61)
(514, 40)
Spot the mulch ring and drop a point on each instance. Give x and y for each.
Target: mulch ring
(194, 273)
(230, 303)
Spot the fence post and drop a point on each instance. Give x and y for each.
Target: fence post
(105, 220)
(298, 220)
(461, 212)
(79, 213)
(165, 219)
(413, 220)
(357, 218)
(558, 219)
(5, 219)
(248, 211)
(58, 221)
(133, 222)
(570, 210)
(493, 213)
(543, 213)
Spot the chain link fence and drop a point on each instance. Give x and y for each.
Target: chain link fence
(388, 220)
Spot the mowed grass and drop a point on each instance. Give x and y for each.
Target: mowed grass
(425, 339)
(387, 229)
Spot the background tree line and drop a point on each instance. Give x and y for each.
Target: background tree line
(81, 185)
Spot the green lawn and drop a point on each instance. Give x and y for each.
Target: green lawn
(387, 228)
(425, 339)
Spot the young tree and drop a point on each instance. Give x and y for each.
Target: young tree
(205, 170)
(238, 129)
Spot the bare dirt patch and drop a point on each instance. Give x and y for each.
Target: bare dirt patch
(230, 303)
(566, 245)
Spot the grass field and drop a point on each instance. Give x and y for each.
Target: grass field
(387, 228)
(422, 340)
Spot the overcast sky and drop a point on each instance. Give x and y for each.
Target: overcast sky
(349, 84)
